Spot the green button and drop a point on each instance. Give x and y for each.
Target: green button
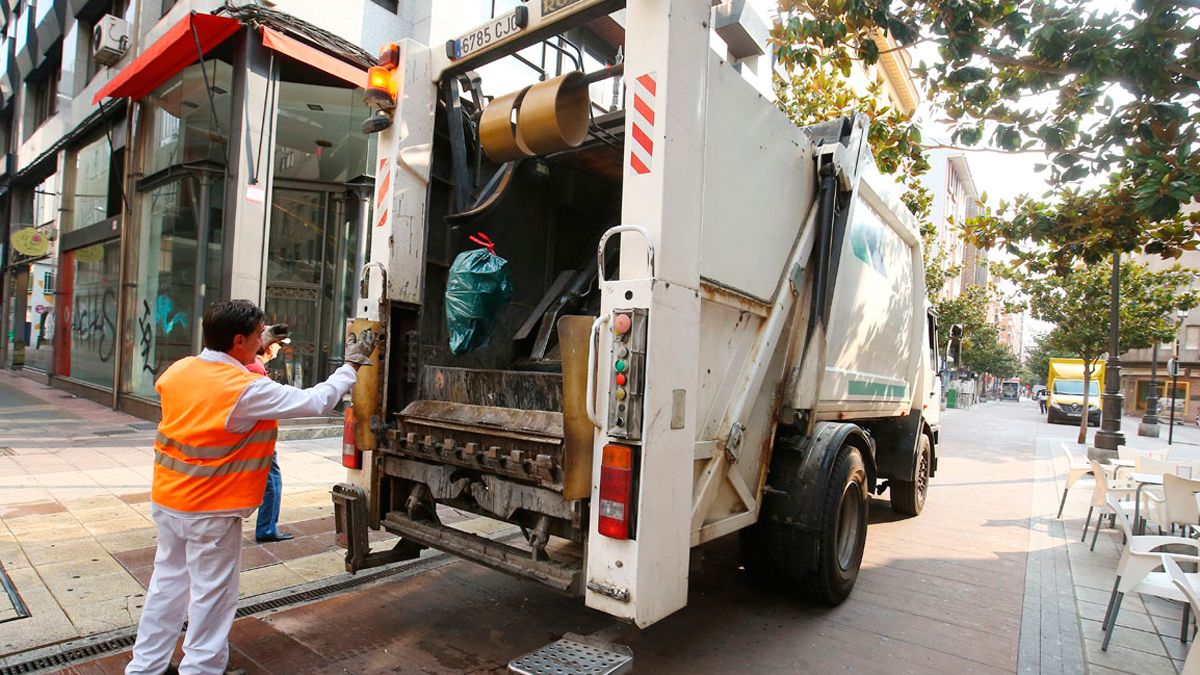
(620, 366)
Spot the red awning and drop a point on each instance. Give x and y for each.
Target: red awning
(170, 54)
(314, 57)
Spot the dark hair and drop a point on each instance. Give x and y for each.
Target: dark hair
(225, 319)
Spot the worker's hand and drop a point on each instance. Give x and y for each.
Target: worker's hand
(274, 335)
(359, 348)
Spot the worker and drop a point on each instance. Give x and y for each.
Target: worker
(266, 527)
(211, 457)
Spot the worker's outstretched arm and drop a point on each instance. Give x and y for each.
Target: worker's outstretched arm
(266, 399)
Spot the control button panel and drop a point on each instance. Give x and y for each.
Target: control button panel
(626, 373)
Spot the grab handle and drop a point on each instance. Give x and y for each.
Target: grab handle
(618, 230)
(593, 347)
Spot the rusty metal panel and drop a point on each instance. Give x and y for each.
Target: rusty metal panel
(574, 335)
(522, 444)
(526, 390)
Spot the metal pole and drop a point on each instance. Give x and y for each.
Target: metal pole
(1109, 436)
(1149, 425)
(1174, 384)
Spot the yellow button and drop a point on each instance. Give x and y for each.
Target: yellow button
(620, 393)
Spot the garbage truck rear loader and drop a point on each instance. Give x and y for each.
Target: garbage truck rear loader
(718, 320)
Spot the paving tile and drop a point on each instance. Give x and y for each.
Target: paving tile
(312, 526)
(319, 566)
(107, 614)
(138, 557)
(34, 509)
(125, 523)
(267, 579)
(299, 547)
(1129, 660)
(1131, 617)
(63, 550)
(256, 556)
(135, 497)
(48, 622)
(127, 540)
(1129, 638)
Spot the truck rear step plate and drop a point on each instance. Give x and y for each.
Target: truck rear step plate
(574, 655)
(558, 575)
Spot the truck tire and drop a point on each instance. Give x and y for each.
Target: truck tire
(908, 497)
(780, 555)
(843, 536)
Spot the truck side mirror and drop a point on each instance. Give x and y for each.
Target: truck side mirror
(954, 347)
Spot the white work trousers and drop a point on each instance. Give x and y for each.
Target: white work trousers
(195, 571)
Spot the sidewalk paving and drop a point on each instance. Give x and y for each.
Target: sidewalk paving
(76, 537)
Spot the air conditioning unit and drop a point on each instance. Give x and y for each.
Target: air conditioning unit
(110, 39)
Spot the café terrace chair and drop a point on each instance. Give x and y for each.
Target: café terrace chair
(1135, 570)
(1102, 489)
(1187, 586)
(1077, 469)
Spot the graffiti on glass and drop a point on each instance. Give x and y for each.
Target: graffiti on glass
(93, 323)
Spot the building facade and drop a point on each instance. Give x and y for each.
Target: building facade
(219, 155)
(1185, 348)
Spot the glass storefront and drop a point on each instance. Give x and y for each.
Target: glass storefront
(88, 310)
(179, 273)
(322, 161)
(176, 261)
(88, 198)
(37, 330)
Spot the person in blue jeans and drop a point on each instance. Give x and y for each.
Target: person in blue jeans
(266, 529)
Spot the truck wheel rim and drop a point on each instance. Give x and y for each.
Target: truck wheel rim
(849, 522)
(923, 477)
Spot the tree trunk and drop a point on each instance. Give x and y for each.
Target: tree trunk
(1083, 417)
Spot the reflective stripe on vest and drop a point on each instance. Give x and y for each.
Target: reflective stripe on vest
(216, 451)
(200, 465)
(236, 466)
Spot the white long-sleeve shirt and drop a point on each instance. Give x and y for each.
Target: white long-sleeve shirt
(266, 399)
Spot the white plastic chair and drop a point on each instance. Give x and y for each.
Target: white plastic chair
(1185, 585)
(1101, 490)
(1135, 570)
(1077, 468)
(1177, 503)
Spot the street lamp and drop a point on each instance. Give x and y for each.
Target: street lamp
(1109, 436)
(1180, 315)
(1149, 425)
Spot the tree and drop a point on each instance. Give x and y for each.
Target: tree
(1037, 361)
(1102, 92)
(1077, 304)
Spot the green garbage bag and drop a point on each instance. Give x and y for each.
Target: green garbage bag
(476, 291)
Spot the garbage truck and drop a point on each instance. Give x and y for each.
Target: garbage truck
(718, 321)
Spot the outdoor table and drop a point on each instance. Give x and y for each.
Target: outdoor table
(1143, 479)
(1119, 464)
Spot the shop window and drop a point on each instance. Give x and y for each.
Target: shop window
(87, 310)
(181, 125)
(392, 6)
(39, 321)
(1191, 339)
(319, 134)
(91, 200)
(178, 256)
(43, 96)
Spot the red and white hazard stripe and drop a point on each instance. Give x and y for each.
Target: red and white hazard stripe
(383, 192)
(641, 128)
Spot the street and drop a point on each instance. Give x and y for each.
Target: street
(975, 584)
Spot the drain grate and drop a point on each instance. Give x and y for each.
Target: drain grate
(71, 655)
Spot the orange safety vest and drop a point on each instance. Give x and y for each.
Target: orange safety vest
(199, 465)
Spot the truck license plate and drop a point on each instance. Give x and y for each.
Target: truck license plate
(496, 29)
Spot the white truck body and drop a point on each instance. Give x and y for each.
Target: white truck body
(725, 243)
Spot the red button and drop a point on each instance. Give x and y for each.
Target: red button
(622, 323)
(620, 379)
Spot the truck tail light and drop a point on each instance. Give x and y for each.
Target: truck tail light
(616, 491)
(351, 457)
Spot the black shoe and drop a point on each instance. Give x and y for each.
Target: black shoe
(172, 669)
(279, 536)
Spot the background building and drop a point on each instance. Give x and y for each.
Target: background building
(178, 176)
(1135, 364)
